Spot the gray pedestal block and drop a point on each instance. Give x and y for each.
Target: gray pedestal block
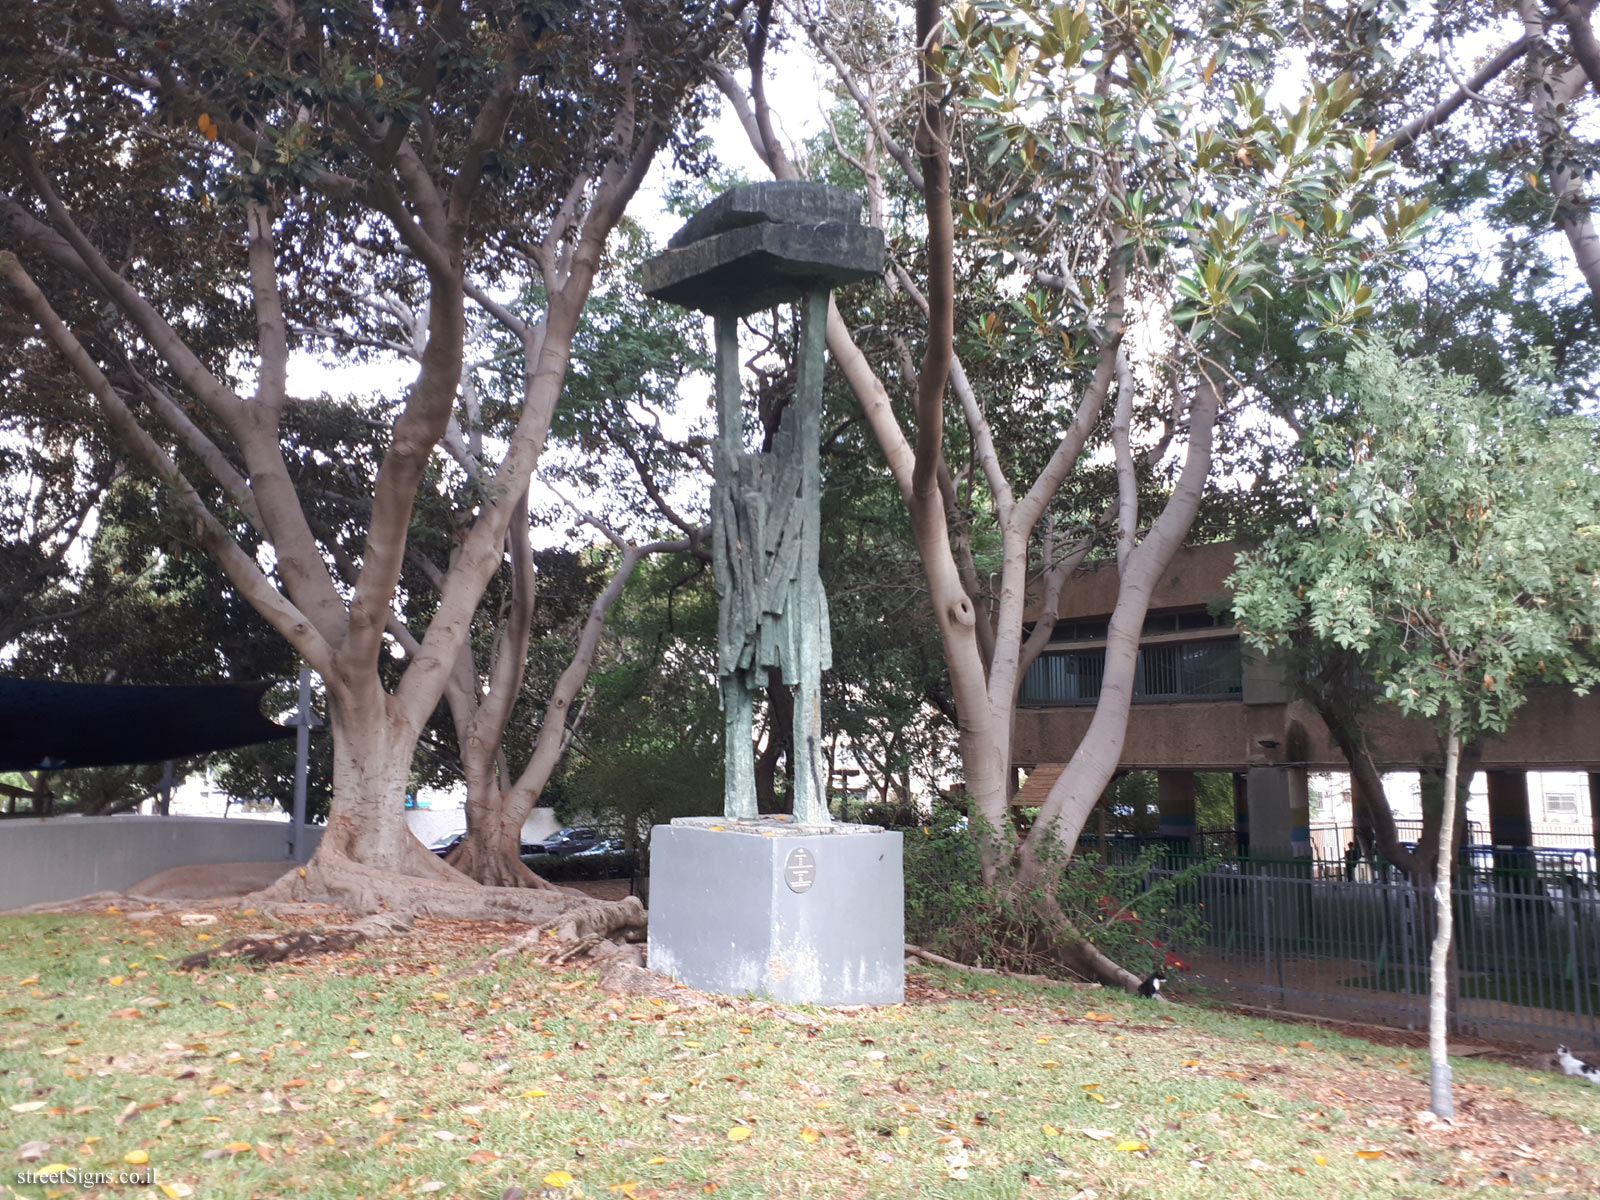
(801, 914)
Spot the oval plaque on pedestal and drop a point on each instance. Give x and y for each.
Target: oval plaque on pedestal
(800, 869)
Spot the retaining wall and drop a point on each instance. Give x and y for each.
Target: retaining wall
(62, 857)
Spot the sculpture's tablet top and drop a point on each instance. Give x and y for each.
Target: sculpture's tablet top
(765, 244)
(775, 825)
(753, 267)
(775, 202)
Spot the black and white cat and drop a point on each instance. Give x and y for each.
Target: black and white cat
(1151, 987)
(1573, 1065)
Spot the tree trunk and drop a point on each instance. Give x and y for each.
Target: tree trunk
(1441, 1101)
(1033, 888)
(491, 850)
(369, 861)
(371, 764)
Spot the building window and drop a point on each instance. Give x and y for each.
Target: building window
(1165, 671)
(1071, 678)
(1558, 804)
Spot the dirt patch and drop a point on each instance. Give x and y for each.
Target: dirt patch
(210, 881)
(602, 889)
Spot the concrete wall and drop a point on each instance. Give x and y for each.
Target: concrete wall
(1195, 578)
(63, 857)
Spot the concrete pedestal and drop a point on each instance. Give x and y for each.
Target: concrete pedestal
(801, 914)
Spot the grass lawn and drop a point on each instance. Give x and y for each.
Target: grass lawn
(366, 1075)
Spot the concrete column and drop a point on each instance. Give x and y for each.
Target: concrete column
(1510, 824)
(1280, 812)
(1366, 836)
(1594, 812)
(1509, 821)
(1241, 814)
(1175, 799)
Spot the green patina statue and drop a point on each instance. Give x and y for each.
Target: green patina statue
(753, 248)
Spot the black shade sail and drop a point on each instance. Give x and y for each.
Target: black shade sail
(49, 726)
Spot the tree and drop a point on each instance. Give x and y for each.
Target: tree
(270, 158)
(1121, 191)
(649, 749)
(1454, 544)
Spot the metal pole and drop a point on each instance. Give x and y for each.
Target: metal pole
(164, 805)
(302, 762)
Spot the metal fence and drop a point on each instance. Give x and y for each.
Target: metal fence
(1499, 866)
(1284, 935)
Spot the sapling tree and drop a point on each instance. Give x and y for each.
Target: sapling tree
(1452, 539)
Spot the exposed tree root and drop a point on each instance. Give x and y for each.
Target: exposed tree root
(263, 948)
(553, 951)
(494, 869)
(334, 879)
(941, 960)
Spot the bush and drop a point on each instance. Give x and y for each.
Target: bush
(1135, 918)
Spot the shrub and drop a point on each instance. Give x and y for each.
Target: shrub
(1136, 916)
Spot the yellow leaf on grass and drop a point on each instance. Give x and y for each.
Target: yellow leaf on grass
(1051, 1131)
(237, 1147)
(1090, 1087)
(1049, 1062)
(1191, 1062)
(28, 980)
(1098, 1016)
(627, 1188)
(441, 997)
(176, 1191)
(558, 1179)
(1320, 1159)
(1369, 1153)
(115, 981)
(534, 1093)
(1132, 1147)
(396, 1040)
(219, 1089)
(224, 1004)
(52, 1168)
(136, 1158)
(808, 1134)
(378, 1109)
(655, 1162)
(738, 1133)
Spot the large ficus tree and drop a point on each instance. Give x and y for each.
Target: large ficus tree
(1452, 541)
(276, 164)
(1095, 194)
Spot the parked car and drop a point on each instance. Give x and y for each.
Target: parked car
(566, 842)
(606, 846)
(442, 846)
(450, 841)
